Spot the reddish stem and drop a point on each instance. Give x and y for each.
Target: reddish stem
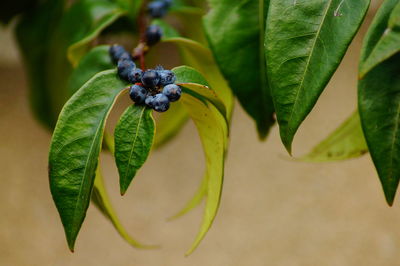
(140, 50)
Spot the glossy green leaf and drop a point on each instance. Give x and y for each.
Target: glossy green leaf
(169, 124)
(95, 61)
(388, 43)
(305, 42)
(195, 84)
(200, 58)
(133, 139)
(235, 31)
(379, 106)
(75, 148)
(197, 198)
(96, 15)
(346, 142)
(102, 201)
(212, 130)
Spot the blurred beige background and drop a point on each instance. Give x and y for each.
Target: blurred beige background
(273, 212)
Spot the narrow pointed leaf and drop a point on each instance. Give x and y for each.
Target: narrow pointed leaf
(235, 30)
(379, 106)
(305, 42)
(102, 201)
(133, 136)
(346, 142)
(95, 61)
(388, 43)
(197, 198)
(75, 148)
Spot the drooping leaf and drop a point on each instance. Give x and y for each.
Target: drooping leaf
(75, 148)
(169, 124)
(212, 130)
(101, 200)
(96, 16)
(305, 42)
(95, 61)
(379, 106)
(346, 142)
(388, 43)
(235, 31)
(197, 198)
(133, 137)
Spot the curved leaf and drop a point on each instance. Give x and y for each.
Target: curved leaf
(75, 148)
(101, 200)
(388, 43)
(305, 42)
(95, 61)
(235, 30)
(133, 137)
(379, 106)
(346, 142)
(96, 16)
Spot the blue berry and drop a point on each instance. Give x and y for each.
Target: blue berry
(157, 9)
(125, 66)
(153, 34)
(173, 92)
(117, 52)
(135, 75)
(149, 101)
(168, 3)
(138, 94)
(166, 77)
(150, 78)
(160, 103)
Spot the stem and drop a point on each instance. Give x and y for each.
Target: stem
(142, 48)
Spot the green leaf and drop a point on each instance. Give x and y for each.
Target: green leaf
(379, 106)
(133, 137)
(235, 30)
(169, 124)
(388, 43)
(346, 142)
(212, 130)
(197, 198)
(96, 16)
(200, 58)
(195, 84)
(305, 42)
(75, 148)
(95, 61)
(101, 200)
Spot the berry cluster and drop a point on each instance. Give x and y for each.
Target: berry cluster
(153, 87)
(159, 8)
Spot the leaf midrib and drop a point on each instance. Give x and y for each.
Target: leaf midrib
(262, 61)
(307, 66)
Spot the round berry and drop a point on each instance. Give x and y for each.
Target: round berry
(116, 51)
(150, 78)
(157, 9)
(160, 103)
(149, 101)
(153, 34)
(173, 92)
(166, 77)
(125, 66)
(138, 94)
(135, 75)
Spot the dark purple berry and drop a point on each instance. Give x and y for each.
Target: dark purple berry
(150, 78)
(138, 94)
(135, 75)
(125, 66)
(166, 77)
(117, 52)
(157, 9)
(160, 103)
(153, 34)
(149, 101)
(173, 92)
